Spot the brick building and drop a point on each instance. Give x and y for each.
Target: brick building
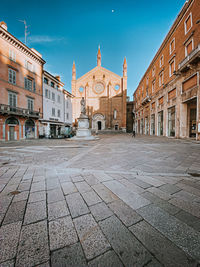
(105, 96)
(167, 99)
(21, 71)
(129, 116)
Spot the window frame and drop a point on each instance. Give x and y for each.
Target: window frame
(12, 94)
(12, 55)
(12, 75)
(171, 73)
(161, 60)
(170, 46)
(30, 100)
(161, 82)
(185, 25)
(53, 113)
(187, 43)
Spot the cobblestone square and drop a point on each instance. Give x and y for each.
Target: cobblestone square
(117, 201)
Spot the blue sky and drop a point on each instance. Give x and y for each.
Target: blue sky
(63, 31)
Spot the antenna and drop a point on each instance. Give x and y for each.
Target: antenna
(25, 30)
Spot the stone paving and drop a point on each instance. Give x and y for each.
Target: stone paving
(118, 201)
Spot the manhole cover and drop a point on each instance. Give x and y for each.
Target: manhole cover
(195, 174)
(16, 192)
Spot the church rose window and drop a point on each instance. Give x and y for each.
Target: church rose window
(81, 89)
(99, 88)
(117, 87)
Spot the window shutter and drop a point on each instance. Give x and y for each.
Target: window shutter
(34, 89)
(14, 77)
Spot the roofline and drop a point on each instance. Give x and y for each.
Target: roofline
(170, 32)
(22, 44)
(67, 93)
(97, 67)
(53, 77)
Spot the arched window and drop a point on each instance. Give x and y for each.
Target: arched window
(115, 114)
(12, 120)
(81, 89)
(30, 123)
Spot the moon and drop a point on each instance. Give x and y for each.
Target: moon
(113, 10)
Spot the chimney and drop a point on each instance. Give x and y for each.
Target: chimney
(3, 25)
(57, 77)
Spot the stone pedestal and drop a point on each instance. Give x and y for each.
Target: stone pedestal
(83, 132)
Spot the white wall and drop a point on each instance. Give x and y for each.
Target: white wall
(48, 103)
(67, 109)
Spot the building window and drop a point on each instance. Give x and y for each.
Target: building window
(115, 114)
(153, 71)
(12, 76)
(12, 99)
(147, 81)
(188, 23)
(147, 92)
(161, 78)
(172, 46)
(12, 55)
(161, 61)
(52, 84)
(67, 104)
(29, 84)
(53, 96)
(53, 112)
(57, 87)
(171, 67)
(30, 104)
(59, 113)
(67, 115)
(189, 47)
(153, 86)
(46, 81)
(28, 65)
(46, 93)
(58, 98)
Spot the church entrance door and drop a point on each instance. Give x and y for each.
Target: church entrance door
(99, 125)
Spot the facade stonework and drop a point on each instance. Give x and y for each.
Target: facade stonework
(21, 88)
(167, 99)
(105, 96)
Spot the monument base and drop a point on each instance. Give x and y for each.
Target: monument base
(83, 132)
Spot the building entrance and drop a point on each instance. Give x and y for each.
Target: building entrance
(160, 123)
(11, 133)
(99, 125)
(193, 122)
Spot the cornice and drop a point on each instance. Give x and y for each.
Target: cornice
(8, 37)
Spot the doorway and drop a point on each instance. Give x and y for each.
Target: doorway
(193, 122)
(160, 123)
(99, 125)
(11, 133)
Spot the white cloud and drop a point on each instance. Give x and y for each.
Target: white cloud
(38, 39)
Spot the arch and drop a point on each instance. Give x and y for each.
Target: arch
(98, 122)
(29, 122)
(29, 129)
(12, 120)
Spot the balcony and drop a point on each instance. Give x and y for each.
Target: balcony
(192, 59)
(146, 100)
(6, 109)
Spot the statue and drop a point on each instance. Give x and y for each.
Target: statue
(83, 109)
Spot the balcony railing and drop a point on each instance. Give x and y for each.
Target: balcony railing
(193, 57)
(146, 100)
(6, 109)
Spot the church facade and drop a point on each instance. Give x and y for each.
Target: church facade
(105, 97)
